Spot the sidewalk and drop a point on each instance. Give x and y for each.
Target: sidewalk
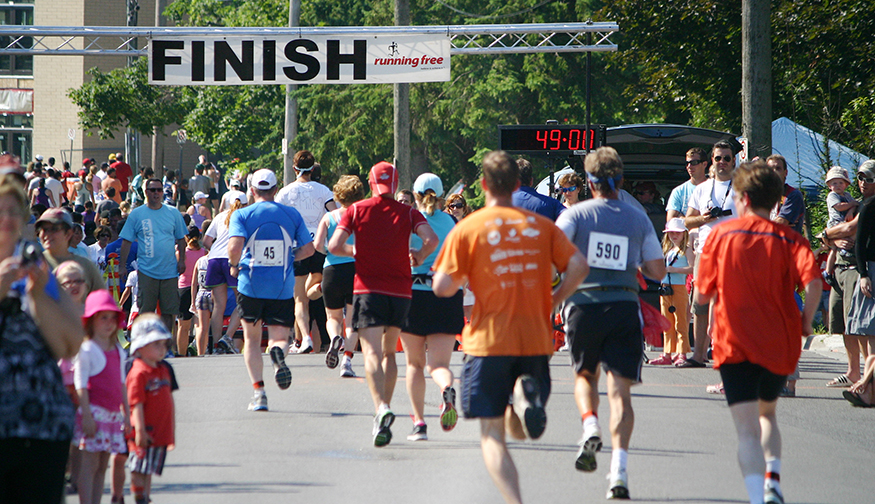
(826, 344)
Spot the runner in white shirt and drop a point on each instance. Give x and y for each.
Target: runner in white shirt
(312, 200)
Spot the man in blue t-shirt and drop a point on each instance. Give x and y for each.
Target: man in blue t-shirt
(526, 197)
(261, 254)
(157, 229)
(697, 167)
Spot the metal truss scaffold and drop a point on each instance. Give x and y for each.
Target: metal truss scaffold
(465, 39)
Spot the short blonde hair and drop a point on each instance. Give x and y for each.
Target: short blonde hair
(348, 190)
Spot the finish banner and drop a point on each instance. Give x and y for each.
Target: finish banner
(329, 59)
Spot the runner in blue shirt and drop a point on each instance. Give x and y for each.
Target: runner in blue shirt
(261, 254)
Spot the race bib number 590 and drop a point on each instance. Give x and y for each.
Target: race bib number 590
(267, 253)
(607, 251)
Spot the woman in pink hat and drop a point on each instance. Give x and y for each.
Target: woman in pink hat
(103, 417)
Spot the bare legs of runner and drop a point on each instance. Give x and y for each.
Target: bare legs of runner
(378, 349)
(433, 351)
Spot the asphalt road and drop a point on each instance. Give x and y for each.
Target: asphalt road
(315, 444)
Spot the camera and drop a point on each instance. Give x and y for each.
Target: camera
(718, 212)
(31, 253)
(665, 290)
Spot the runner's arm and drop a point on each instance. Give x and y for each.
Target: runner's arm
(576, 271)
(654, 268)
(812, 303)
(429, 243)
(321, 234)
(338, 246)
(235, 252)
(305, 251)
(123, 258)
(444, 285)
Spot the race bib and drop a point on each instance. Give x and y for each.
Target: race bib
(267, 253)
(608, 251)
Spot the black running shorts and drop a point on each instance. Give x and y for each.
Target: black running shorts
(747, 381)
(609, 333)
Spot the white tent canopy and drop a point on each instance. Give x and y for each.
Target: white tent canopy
(804, 149)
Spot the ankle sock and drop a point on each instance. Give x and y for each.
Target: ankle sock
(258, 385)
(347, 354)
(755, 484)
(618, 460)
(590, 417)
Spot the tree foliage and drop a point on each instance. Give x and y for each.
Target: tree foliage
(679, 61)
(123, 98)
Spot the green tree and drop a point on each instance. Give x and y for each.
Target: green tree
(122, 98)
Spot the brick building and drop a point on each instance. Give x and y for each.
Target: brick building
(35, 114)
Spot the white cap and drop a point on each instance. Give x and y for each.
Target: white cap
(428, 181)
(675, 225)
(147, 330)
(200, 194)
(263, 179)
(38, 157)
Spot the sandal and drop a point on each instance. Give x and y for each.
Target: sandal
(689, 363)
(662, 360)
(856, 399)
(715, 389)
(840, 381)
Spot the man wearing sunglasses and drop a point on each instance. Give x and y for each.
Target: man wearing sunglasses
(711, 203)
(158, 229)
(847, 275)
(697, 165)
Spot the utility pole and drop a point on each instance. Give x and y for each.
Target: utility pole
(401, 94)
(756, 76)
(291, 126)
(132, 151)
(158, 133)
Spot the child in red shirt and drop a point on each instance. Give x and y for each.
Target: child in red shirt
(149, 385)
(749, 269)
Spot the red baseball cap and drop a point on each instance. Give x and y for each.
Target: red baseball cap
(383, 178)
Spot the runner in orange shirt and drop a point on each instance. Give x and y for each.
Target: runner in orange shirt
(748, 270)
(507, 255)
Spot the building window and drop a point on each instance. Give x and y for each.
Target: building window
(16, 13)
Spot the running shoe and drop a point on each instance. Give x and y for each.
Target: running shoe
(590, 443)
(382, 433)
(449, 416)
(226, 345)
(619, 486)
(282, 373)
(419, 433)
(346, 368)
(528, 406)
(259, 401)
(191, 351)
(331, 358)
(773, 495)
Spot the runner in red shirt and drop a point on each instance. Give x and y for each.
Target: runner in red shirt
(748, 270)
(382, 286)
(123, 172)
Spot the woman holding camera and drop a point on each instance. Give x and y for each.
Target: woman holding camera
(38, 325)
(673, 296)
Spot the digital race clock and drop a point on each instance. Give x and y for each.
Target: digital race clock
(551, 139)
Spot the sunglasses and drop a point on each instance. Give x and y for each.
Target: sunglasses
(693, 161)
(155, 189)
(868, 180)
(104, 236)
(568, 189)
(53, 229)
(456, 206)
(723, 158)
(70, 283)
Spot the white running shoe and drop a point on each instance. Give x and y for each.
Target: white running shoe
(259, 401)
(346, 368)
(619, 488)
(590, 443)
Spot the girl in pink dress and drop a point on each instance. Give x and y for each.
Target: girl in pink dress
(103, 417)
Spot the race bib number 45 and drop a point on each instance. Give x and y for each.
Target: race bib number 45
(267, 253)
(607, 251)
